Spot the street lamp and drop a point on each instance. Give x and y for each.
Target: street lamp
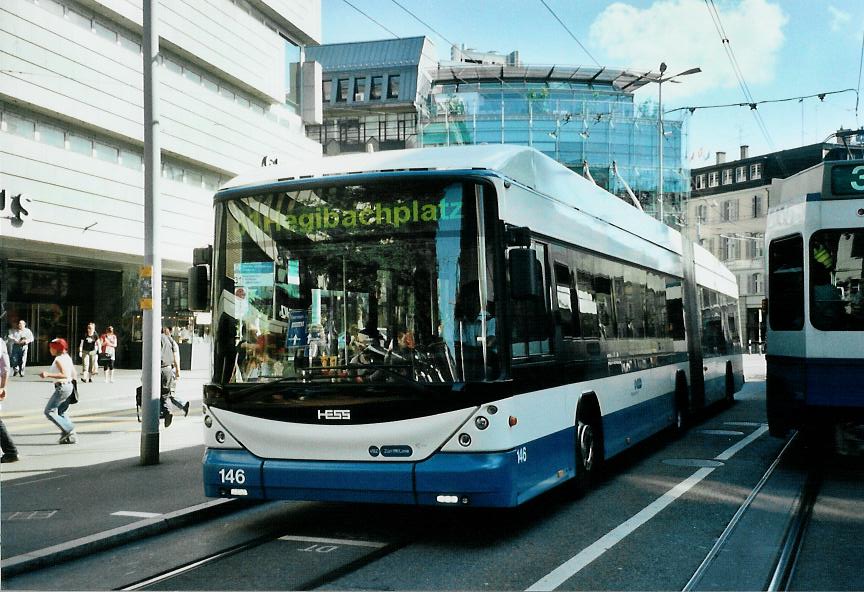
(660, 82)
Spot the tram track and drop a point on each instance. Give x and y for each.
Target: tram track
(784, 571)
(787, 483)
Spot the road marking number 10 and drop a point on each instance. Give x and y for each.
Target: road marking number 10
(237, 476)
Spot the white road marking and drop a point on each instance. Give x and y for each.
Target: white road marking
(136, 514)
(582, 559)
(347, 542)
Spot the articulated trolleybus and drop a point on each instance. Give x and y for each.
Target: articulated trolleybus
(815, 356)
(467, 325)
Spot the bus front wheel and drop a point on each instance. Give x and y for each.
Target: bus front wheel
(589, 455)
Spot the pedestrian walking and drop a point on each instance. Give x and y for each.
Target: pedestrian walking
(62, 372)
(108, 352)
(88, 351)
(10, 452)
(22, 337)
(170, 362)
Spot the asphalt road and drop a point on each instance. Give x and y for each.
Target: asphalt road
(647, 525)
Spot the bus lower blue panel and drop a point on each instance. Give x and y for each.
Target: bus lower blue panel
(500, 479)
(381, 482)
(227, 470)
(626, 427)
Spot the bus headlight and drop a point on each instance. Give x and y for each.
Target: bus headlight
(208, 421)
(481, 422)
(465, 439)
(220, 436)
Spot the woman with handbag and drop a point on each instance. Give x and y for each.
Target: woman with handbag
(107, 352)
(64, 375)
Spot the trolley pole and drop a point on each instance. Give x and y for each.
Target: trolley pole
(151, 273)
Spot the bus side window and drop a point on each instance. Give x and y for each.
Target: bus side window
(568, 301)
(532, 321)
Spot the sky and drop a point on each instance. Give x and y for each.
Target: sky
(782, 49)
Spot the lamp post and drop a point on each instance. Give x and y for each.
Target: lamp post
(660, 82)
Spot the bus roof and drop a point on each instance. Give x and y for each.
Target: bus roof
(515, 162)
(521, 164)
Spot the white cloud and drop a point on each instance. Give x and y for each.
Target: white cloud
(839, 19)
(683, 34)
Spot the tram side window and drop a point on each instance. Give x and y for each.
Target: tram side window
(836, 273)
(786, 284)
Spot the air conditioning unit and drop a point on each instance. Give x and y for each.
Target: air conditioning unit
(359, 97)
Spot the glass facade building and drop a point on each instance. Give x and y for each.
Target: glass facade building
(585, 118)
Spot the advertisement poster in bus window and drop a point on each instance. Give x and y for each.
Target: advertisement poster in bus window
(253, 288)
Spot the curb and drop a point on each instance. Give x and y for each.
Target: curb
(115, 537)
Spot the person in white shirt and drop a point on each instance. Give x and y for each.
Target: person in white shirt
(21, 340)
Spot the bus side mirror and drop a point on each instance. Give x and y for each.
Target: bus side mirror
(198, 280)
(524, 274)
(199, 288)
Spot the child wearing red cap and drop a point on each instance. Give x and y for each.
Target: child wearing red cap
(62, 371)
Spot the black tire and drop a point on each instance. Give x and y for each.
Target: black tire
(589, 455)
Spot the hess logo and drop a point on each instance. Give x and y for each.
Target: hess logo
(334, 414)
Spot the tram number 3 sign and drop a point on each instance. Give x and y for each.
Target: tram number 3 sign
(847, 180)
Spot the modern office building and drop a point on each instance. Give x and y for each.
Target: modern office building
(584, 117)
(232, 91)
(395, 94)
(728, 210)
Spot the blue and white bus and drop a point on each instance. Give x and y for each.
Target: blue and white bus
(815, 337)
(467, 325)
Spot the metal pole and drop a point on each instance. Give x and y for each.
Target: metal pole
(660, 177)
(150, 371)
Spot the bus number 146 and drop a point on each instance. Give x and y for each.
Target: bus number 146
(237, 476)
(521, 455)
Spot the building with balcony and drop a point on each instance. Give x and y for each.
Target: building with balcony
(232, 91)
(372, 92)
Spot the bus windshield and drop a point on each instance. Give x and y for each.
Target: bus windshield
(836, 274)
(352, 283)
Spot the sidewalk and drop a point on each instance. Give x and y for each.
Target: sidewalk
(96, 490)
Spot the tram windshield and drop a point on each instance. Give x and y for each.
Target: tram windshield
(836, 274)
(356, 283)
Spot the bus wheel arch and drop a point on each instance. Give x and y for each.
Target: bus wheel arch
(588, 447)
